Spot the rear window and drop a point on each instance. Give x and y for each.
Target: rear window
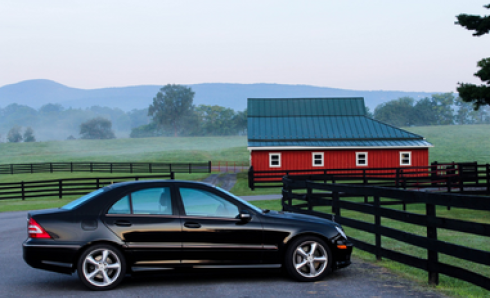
(81, 200)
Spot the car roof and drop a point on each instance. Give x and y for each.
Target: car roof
(141, 182)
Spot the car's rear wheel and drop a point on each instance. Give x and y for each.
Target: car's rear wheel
(308, 258)
(101, 267)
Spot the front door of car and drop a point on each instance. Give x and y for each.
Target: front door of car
(213, 234)
(147, 220)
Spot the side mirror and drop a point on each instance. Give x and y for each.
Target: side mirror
(245, 215)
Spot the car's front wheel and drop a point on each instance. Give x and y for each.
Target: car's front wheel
(308, 259)
(101, 267)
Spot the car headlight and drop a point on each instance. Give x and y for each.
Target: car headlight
(339, 229)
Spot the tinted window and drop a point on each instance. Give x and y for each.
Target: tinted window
(152, 201)
(202, 203)
(121, 207)
(146, 201)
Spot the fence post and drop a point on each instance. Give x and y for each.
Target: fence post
(111, 167)
(209, 166)
(51, 167)
(404, 181)
(71, 167)
(11, 169)
(397, 178)
(433, 173)
(32, 170)
(172, 175)
(432, 256)
(131, 167)
(251, 178)
(364, 182)
(150, 166)
(60, 188)
(377, 223)
(91, 167)
(97, 183)
(190, 168)
(170, 167)
(22, 190)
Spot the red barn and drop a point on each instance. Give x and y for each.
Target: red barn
(326, 133)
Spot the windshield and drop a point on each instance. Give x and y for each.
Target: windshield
(81, 200)
(257, 209)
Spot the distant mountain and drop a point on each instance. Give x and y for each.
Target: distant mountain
(35, 93)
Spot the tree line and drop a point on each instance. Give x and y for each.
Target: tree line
(439, 109)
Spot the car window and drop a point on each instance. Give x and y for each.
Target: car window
(121, 207)
(152, 201)
(146, 201)
(199, 202)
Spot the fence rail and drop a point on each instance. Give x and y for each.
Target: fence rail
(310, 198)
(64, 187)
(105, 167)
(464, 177)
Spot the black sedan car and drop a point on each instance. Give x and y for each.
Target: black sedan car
(161, 225)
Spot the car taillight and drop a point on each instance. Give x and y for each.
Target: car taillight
(34, 230)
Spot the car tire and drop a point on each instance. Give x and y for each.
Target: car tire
(101, 267)
(308, 258)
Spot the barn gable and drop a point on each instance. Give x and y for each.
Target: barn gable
(327, 123)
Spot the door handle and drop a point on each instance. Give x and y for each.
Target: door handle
(192, 225)
(122, 223)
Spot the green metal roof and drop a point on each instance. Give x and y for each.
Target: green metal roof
(321, 122)
(273, 107)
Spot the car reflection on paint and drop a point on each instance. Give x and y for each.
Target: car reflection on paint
(160, 225)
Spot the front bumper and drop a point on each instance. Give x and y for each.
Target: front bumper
(342, 253)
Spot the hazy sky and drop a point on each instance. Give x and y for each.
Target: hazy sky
(365, 45)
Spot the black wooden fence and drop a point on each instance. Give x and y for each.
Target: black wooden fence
(105, 167)
(332, 194)
(64, 187)
(463, 177)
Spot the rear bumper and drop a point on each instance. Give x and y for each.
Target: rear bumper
(50, 256)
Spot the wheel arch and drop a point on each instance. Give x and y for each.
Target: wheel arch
(306, 234)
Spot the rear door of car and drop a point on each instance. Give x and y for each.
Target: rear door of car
(212, 234)
(147, 220)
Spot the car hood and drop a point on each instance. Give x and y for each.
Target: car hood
(299, 217)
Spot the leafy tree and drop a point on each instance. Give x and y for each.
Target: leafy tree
(442, 108)
(97, 128)
(172, 106)
(398, 112)
(478, 95)
(216, 120)
(29, 135)
(240, 121)
(14, 135)
(423, 112)
(51, 108)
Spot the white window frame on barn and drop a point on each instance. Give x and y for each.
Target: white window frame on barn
(359, 159)
(270, 160)
(403, 159)
(314, 159)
